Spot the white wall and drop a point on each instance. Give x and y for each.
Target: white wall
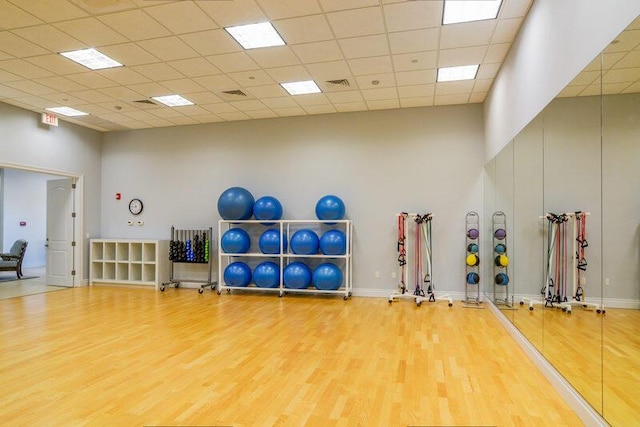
(68, 149)
(557, 40)
(379, 163)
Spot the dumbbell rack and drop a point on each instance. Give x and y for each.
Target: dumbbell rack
(190, 247)
(472, 247)
(501, 292)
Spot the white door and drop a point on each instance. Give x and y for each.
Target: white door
(60, 229)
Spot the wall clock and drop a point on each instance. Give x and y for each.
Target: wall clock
(135, 206)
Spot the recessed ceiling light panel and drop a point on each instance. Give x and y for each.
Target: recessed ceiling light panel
(253, 36)
(67, 111)
(91, 59)
(452, 74)
(456, 11)
(301, 88)
(173, 100)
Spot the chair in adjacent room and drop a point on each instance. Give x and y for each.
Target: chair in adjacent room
(12, 261)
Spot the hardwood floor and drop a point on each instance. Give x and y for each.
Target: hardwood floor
(132, 357)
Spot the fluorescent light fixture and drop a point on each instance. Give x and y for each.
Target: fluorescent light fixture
(452, 74)
(67, 111)
(172, 100)
(91, 58)
(469, 10)
(253, 36)
(301, 88)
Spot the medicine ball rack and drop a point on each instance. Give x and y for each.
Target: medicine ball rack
(472, 248)
(285, 256)
(190, 247)
(502, 294)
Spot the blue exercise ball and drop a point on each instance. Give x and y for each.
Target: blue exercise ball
(267, 275)
(237, 274)
(327, 277)
(235, 203)
(267, 208)
(333, 242)
(297, 275)
(235, 241)
(330, 207)
(269, 242)
(304, 242)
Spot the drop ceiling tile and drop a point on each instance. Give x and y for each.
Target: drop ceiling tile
(182, 121)
(426, 101)
(455, 88)
(361, 47)
(376, 81)
(195, 67)
(5, 56)
(30, 87)
(318, 52)
(92, 80)
(6, 76)
(281, 9)
(13, 17)
(497, 52)
(634, 88)
(451, 99)
(92, 96)
(415, 61)
(143, 116)
(168, 48)
(462, 56)
(334, 5)
(157, 72)
(19, 47)
(311, 99)
(261, 114)
(271, 57)
(57, 64)
(204, 98)
(332, 70)
(467, 34)
(413, 15)
(191, 110)
(420, 77)
(43, 10)
(216, 83)
(289, 74)
(135, 25)
(306, 29)
(60, 83)
(120, 93)
(24, 69)
(345, 97)
(630, 60)
(38, 102)
(626, 41)
(219, 108)
(91, 31)
(320, 109)
(96, 110)
(384, 104)
(251, 78)
(614, 88)
(585, 78)
(282, 102)
(477, 97)
(212, 42)
(375, 65)
(129, 54)
(488, 71)
(182, 86)
(414, 41)
(622, 75)
(249, 105)
(289, 111)
(379, 94)
(351, 106)
(208, 118)
(166, 113)
(482, 85)
(230, 117)
(506, 30)
(147, 90)
(125, 75)
(181, 17)
(233, 62)
(267, 91)
(51, 38)
(64, 99)
(414, 91)
(593, 90)
(356, 22)
(237, 12)
(514, 8)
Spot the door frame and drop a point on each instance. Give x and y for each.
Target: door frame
(78, 251)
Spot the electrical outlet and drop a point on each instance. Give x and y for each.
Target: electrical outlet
(129, 222)
(140, 222)
(377, 274)
(583, 281)
(393, 274)
(606, 282)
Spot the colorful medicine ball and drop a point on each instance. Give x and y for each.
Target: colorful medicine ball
(235, 241)
(235, 203)
(502, 279)
(333, 242)
(473, 260)
(330, 207)
(500, 248)
(472, 248)
(267, 208)
(502, 261)
(473, 278)
(473, 233)
(500, 234)
(304, 242)
(297, 275)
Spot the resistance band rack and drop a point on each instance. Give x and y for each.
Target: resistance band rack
(472, 245)
(502, 294)
(190, 247)
(555, 289)
(415, 255)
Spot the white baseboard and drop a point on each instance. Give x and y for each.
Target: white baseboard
(607, 302)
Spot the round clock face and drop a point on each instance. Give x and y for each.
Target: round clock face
(135, 206)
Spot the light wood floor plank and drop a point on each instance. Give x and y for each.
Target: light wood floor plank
(105, 356)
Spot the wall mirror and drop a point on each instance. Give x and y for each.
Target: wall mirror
(580, 154)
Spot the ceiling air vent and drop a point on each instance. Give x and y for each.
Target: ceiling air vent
(145, 101)
(235, 92)
(339, 82)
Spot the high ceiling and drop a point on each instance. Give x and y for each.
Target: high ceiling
(364, 55)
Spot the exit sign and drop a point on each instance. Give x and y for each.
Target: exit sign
(49, 119)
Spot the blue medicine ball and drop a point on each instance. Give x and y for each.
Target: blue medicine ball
(327, 277)
(269, 242)
(500, 248)
(235, 203)
(237, 274)
(304, 242)
(267, 275)
(235, 241)
(268, 208)
(333, 242)
(297, 276)
(330, 207)
(502, 279)
(473, 278)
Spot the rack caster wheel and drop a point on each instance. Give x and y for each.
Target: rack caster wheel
(390, 301)
(213, 287)
(200, 290)
(162, 290)
(345, 297)
(219, 292)
(521, 302)
(450, 304)
(177, 285)
(598, 311)
(564, 309)
(228, 291)
(418, 303)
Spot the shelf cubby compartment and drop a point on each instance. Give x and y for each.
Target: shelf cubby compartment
(97, 251)
(148, 252)
(135, 272)
(122, 251)
(97, 269)
(148, 272)
(109, 271)
(122, 271)
(135, 252)
(109, 251)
